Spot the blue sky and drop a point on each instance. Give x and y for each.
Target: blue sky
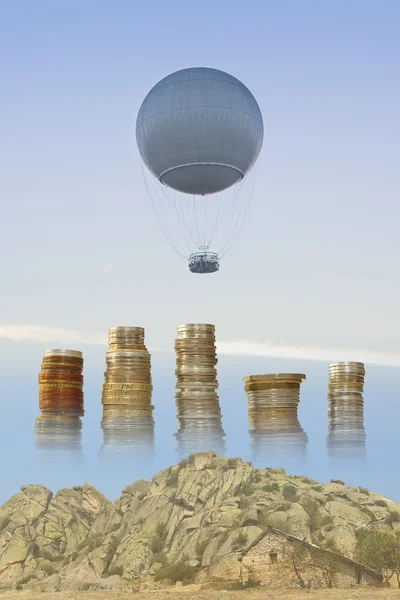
(316, 262)
(314, 273)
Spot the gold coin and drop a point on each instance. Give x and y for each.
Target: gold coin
(60, 383)
(127, 386)
(134, 402)
(275, 376)
(129, 412)
(127, 393)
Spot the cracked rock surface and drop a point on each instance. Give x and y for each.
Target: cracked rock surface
(199, 510)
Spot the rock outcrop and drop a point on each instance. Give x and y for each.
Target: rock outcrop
(192, 513)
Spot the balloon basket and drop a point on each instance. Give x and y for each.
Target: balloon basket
(204, 262)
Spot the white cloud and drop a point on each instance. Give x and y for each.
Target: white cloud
(270, 349)
(40, 333)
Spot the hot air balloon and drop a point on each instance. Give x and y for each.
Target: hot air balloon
(199, 132)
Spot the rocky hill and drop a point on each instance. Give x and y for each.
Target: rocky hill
(187, 517)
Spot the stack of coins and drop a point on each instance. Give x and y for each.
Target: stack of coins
(273, 401)
(58, 429)
(58, 435)
(128, 424)
(346, 435)
(61, 383)
(198, 410)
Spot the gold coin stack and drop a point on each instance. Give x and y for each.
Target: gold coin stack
(127, 391)
(59, 426)
(61, 383)
(274, 425)
(198, 410)
(346, 433)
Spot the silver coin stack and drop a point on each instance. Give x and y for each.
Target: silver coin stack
(198, 410)
(346, 434)
(127, 423)
(275, 430)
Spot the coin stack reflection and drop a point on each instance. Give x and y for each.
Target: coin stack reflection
(273, 401)
(346, 434)
(198, 410)
(60, 402)
(127, 423)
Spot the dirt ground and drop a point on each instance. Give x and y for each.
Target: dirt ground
(188, 594)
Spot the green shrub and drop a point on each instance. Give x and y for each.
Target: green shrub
(183, 464)
(48, 555)
(178, 571)
(263, 518)
(243, 585)
(244, 502)
(318, 488)
(159, 557)
(271, 487)
(283, 507)
(190, 459)
(289, 492)
(172, 478)
(378, 550)
(307, 480)
(330, 544)
(393, 517)
(180, 502)
(245, 489)
(18, 587)
(26, 579)
(158, 540)
(257, 477)
(381, 503)
(85, 587)
(235, 524)
(116, 570)
(48, 569)
(311, 507)
(232, 462)
(363, 490)
(339, 481)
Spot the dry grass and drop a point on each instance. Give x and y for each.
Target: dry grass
(189, 593)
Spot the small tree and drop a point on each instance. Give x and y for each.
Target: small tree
(380, 550)
(289, 492)
(303, 558)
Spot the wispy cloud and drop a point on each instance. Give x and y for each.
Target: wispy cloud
(270, 349)
(41, 333)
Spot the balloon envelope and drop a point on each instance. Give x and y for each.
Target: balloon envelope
(199, 130)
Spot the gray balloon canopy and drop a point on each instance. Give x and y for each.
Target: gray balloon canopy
(199, 131)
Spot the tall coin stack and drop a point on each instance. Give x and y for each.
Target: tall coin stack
(198, 410)
(346, 434)
(275, 430)
(60, 402)
(128, 424)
